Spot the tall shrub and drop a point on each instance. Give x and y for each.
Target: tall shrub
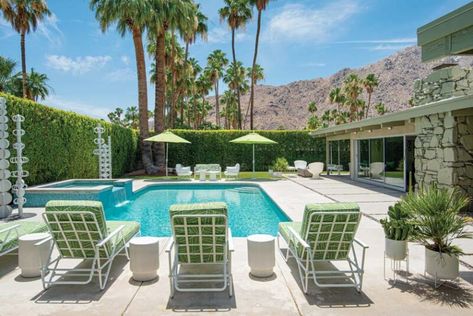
(59, 144)
(213, 146)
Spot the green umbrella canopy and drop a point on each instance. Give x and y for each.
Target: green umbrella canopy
(253, 138)
(167, 137)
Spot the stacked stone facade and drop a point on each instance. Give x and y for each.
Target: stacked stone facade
(443, 84)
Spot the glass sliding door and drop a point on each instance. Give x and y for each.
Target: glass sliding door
(339, 153)
(382, 160)
(394, 161)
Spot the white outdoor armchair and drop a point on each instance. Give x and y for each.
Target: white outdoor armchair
(316, 169)
(376, 170)
(182, 171)
(233, 171)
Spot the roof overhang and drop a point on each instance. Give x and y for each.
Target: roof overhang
(451, 34)
(456, 105)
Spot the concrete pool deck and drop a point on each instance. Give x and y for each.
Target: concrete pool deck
(277, 295)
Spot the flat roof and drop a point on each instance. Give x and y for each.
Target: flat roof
(399, 118)
(450, 34)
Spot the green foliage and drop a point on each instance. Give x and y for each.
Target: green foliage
(60, 144)
(436, 216)
(280, 164)
(213, 146)
(398, 225)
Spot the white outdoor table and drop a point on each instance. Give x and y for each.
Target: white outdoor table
(144, 258)
(30, 256)
(261, 258)
(202, 175)
(213, 175)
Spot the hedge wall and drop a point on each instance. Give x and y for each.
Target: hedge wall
(59, 144)
(213, 146)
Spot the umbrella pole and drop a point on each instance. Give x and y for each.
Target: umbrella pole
(253, 160)
(166, 160)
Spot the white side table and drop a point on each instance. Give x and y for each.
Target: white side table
(30, 256)
(261, 257)
(202, 175)
(144, 258)
(213, 175)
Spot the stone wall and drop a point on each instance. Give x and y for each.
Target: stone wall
(444, 151)
(443, 83)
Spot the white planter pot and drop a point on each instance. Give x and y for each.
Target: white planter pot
(440, 265)
(396, 249)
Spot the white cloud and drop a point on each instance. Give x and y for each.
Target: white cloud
(125, 59)
(121, 74)
(77, 106)
(387, 47)
(406, 40)
(298, 22)
(78, 65)
(5, 29)
(220, 35)
(50, 30)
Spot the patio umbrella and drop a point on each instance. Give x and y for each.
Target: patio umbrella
(167, 137)
(253, 139)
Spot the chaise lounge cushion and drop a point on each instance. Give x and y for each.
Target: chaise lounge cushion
(26, 227)
(204, 242)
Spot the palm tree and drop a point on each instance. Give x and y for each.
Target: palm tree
(336, 96)
(24, 16)
(130, 16)
(132, 117)
(217, 61)
(370, 82)
(199, 27)
(237, 13)
(203, 85)
(37, 86)
(236, 79)
(6, 72)
(255, 73)
(229, 112)
(116, 116)
(352, 88)
(260, 6)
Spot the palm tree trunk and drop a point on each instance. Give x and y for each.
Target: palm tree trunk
(368, 105)
(160, 95)
(187, 51)
(146, 155)
(173, 71)
(23, 64)
(252, 93)
(217, 104)
(237, 88)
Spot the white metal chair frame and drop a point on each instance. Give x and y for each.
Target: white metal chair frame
(182, 171)
(176, 278)
(8, 231)
(232, 172)
(307, 268)
(101, 265)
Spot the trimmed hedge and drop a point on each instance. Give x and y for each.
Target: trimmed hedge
(60, 144)
(213, 146)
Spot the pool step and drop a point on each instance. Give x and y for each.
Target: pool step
(246, 190)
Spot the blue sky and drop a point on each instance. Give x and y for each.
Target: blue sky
(93, 72)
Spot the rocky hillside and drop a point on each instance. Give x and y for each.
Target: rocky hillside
(286, 106)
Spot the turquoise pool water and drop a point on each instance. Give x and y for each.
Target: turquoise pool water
(251, 210)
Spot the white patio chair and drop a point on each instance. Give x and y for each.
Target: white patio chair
(300, 164)
(232, 172)
(182, 171)
(316, 169)
(376, 170)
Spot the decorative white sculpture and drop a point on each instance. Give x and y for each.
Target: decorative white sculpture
(20, 185)
(104, 152)
(5, 184)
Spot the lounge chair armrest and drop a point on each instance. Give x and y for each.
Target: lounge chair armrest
(9, 228)
(231, 247)
(185, 169)
(39, 243)
(110, 236)
(360, 243)
(232, 169)
(169, 246)
(298, 238)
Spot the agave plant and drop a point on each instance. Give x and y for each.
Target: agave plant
(398, 225)
(436, 216)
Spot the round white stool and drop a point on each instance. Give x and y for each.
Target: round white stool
(202, 175)
(144, 258)
(213, 175)
(261, 257)
(30, 256)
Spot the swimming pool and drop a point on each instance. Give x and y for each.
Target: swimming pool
(250, 209)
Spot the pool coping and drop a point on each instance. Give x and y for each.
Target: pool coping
(49, 187)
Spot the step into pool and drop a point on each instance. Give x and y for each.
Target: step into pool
(250, 209)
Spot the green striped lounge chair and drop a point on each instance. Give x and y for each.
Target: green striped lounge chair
(79, 231)
(10, 233)
(326, 234)
(201, 244)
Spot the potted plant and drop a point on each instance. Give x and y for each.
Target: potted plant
(279, 166)
(438, 224)
(397, 228)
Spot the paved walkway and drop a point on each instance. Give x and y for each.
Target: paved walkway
(278, 295)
